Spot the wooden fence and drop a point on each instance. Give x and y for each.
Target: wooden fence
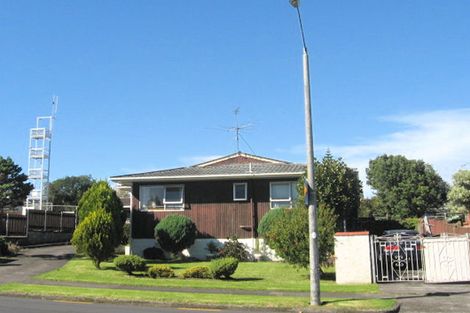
(38, 220)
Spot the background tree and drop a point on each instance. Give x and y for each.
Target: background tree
(338, 188)
(13, 186)
(69, 190)
(459, 194)
(405, 188)
(94, 236)
(101, 196)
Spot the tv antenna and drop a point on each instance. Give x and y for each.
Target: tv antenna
(238, 129)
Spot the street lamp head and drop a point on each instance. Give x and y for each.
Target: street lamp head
(294, 3)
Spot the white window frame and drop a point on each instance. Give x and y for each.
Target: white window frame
(245, 185)
(292, 184)
(165, 203)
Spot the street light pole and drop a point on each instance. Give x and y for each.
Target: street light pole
(312, 196)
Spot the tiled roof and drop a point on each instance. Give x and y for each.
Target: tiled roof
(229, 170)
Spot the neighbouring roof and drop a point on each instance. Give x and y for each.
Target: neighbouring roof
(234, 166)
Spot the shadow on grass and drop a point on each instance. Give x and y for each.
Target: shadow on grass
(243, 279)
(328, 276)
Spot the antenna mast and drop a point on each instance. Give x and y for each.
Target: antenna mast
(40, 142)
(238, 129)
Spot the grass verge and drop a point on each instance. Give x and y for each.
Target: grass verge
(272, 276)
(195, 299)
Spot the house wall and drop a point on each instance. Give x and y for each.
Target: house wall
(256, 248)
(211, 207)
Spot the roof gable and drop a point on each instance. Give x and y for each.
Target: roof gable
(239, 158)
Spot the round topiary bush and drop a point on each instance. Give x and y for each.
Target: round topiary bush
(175, 233)
(161, 270)
(94, 236)
(129, 263)
(197, 272)
(223, 267)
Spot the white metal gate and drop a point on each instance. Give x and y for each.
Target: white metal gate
(447, 259)
(433, 260)
(398, 258)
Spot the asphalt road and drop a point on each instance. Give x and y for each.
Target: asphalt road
(34, 261)
(27, 305)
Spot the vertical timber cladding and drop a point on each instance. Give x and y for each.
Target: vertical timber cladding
(211, 206)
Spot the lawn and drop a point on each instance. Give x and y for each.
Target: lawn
(271, 276)
(98, 294)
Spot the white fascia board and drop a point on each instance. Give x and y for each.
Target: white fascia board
(202, 177)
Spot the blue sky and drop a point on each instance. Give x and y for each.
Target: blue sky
(147, 85)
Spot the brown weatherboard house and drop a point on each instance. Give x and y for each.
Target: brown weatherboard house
(224, 197)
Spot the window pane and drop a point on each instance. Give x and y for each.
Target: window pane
(174, 194)
(294, 193)
(280, 191)
(151, 196)
(240, 191)
(280, 204)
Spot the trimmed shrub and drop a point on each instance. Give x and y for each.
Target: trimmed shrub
(94, 237)
(161, 270)
(129, 263)
(223, 267)
(101, 196)
(197, 272)
(154, 253)
(175, 233)
(289, 235)
(235, 249)
(268, 220)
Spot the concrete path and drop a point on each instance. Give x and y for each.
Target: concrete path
(34, 261)
(427, 298)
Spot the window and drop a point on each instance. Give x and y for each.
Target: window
(282, 194)
(239, 191)
(162, 197)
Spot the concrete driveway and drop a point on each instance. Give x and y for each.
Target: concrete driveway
(33, 261)
(421, 297)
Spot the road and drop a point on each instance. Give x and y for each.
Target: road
(24, 305)
(427, 298)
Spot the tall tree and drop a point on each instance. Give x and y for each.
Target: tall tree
(405, 188)
(69, 190)
(338, 188)
(13, 186)
(100, 196)
(459, 194)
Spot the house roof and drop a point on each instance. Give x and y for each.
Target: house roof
(235, 166)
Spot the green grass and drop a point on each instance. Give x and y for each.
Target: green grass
(273, 276)
(98, 294)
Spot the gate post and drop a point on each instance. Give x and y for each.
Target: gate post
(6, 224)
(353, 258)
